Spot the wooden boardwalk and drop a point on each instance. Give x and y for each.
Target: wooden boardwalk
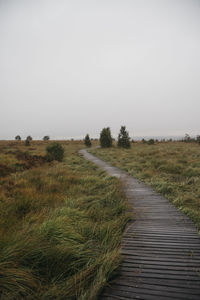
(161, 247)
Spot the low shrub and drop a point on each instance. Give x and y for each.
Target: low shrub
(151, 142)
(87, 141)
(18, 138)
(46, 138)
(55, 151)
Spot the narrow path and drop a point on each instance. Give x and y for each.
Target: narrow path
(161, 248)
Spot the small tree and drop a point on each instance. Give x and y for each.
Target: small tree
(87, 140)
(105, 138)
(46, 138)
(198, 139)
(123, 138)
(18, 138)
(55, 151)
(29, 138)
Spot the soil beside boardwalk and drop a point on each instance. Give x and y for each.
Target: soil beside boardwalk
(161, 248)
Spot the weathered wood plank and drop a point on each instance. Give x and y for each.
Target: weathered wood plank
(160, 266)
(188, 253)
(169, 282)
(161, 287)
(138, 295)
(192, 274)
(151, 290)
(151, 294)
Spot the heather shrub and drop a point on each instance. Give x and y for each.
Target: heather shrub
(55, 151)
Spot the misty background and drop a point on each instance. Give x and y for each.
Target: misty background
(68, 68)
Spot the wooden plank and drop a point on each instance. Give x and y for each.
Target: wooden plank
(133, 274)
(160, 287)
(160, 243)
(185, 285)
(157, 259)
(151, 294)
(142, 296)
(151, 290)
(185, 273)
(160, 266)
(156, 252)
(153, 236)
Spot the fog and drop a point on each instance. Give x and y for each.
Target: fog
(68, 68)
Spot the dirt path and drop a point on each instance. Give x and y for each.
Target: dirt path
(161, 248)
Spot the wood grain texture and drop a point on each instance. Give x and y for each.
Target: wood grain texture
(161, 247)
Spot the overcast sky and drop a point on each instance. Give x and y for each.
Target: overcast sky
(71, 67)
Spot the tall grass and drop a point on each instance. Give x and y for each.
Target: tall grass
(60, 228)
(172, 169)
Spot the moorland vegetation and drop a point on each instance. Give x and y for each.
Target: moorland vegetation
(61, 223)
(62, 219)
(172, 168)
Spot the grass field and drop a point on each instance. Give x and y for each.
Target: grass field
(60, 224)
(172, 169)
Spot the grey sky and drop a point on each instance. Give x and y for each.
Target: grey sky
(68, 68)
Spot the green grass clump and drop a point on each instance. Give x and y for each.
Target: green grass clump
(172, 169)
(60, 228)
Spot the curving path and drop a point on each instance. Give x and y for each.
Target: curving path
(161, 247)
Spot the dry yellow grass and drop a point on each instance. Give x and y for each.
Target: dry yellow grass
(171, 168)
(60, 224)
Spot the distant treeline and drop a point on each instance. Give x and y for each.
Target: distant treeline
(106, 139)
(123, 139)
(188, 139)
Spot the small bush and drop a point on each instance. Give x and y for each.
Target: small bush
(46, 138)
(55, 151)
(29, 138)
(151, 142)
(18, 138)
(105, 138)
(87, 140)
